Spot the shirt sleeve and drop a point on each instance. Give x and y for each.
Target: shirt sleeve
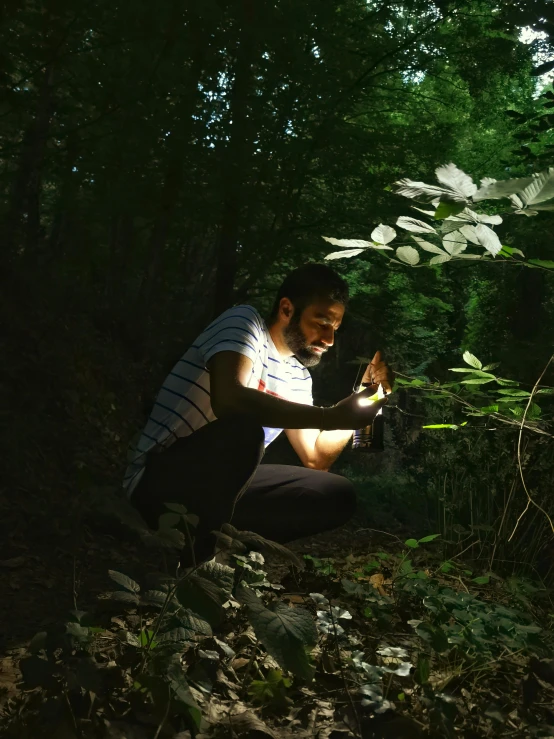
(237, 330)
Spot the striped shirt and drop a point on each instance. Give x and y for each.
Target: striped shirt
(183, 403)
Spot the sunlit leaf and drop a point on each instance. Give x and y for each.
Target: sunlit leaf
(470, 234)
(348, 243)
(412, 224)
(344, 254)
(427, 246)
(472, 360)
(419, 190)
(454, 243)
(456, 180)
(383, 234)
(408, 254)
(494, 189)
(540, 189)
(488, 238)
(441, 259)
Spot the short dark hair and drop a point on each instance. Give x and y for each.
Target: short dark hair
(308, 284)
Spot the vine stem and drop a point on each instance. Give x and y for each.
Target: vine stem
(165, 716)
(530, 500)
(341, 667)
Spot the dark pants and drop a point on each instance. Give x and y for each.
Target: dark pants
(216, 473)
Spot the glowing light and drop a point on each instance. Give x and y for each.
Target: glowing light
(379, 395)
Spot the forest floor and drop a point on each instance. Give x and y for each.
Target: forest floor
(406, 643)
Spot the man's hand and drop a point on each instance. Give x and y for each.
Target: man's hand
(380, 373)
(354, 412)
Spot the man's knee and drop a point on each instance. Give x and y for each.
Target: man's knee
(337, 497)
(343, 497)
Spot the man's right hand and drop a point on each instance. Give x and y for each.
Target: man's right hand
(351, 414)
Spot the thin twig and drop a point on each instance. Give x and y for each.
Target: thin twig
(341, 668)
(530, 500)
(166, 714)
(378, 531)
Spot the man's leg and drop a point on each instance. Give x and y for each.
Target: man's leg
(205, 472)
(284, 503)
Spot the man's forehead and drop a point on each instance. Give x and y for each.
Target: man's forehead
(327, 310)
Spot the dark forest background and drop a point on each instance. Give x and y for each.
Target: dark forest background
(160, 162)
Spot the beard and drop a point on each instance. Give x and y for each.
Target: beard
(298, 344)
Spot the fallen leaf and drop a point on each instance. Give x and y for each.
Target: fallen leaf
(247, 721)
(14, 562)
(377, 581)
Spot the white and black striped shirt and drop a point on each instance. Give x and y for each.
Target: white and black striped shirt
(183, 403)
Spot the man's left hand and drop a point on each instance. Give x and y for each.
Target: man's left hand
(381, 373)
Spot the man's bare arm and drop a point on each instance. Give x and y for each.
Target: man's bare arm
(229, 375)
(318, 449)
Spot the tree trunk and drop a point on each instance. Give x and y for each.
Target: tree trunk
(235, 162)
(22, 227)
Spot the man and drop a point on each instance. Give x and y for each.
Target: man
(231, 394)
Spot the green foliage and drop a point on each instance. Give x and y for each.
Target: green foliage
(287, 633)
(272, 691)
(461, 226)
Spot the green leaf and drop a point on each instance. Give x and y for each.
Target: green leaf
(168, 520)
(489, 409)
(123, 596)
(176, 508)
(412, 543)
(202, 597)
(124, 581)
(406, 567)
(546, 263)
(220, 574)
(446, 209)
(472, 360)
(441, 426)
(145, 637)
(182, 694)
(429, 538)
(284, 631)
(434, 635)
(483, 580)
(534, 412)
(477, 381)
(515, 393)
(423, 670)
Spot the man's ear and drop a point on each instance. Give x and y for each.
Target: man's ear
(286, 309)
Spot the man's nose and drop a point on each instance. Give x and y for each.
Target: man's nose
(328, 337)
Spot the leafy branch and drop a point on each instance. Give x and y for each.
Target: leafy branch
(453, 201)
(504, 404)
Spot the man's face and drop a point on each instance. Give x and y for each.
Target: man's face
(310, 334)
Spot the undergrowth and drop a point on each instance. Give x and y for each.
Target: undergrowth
(393, 642)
